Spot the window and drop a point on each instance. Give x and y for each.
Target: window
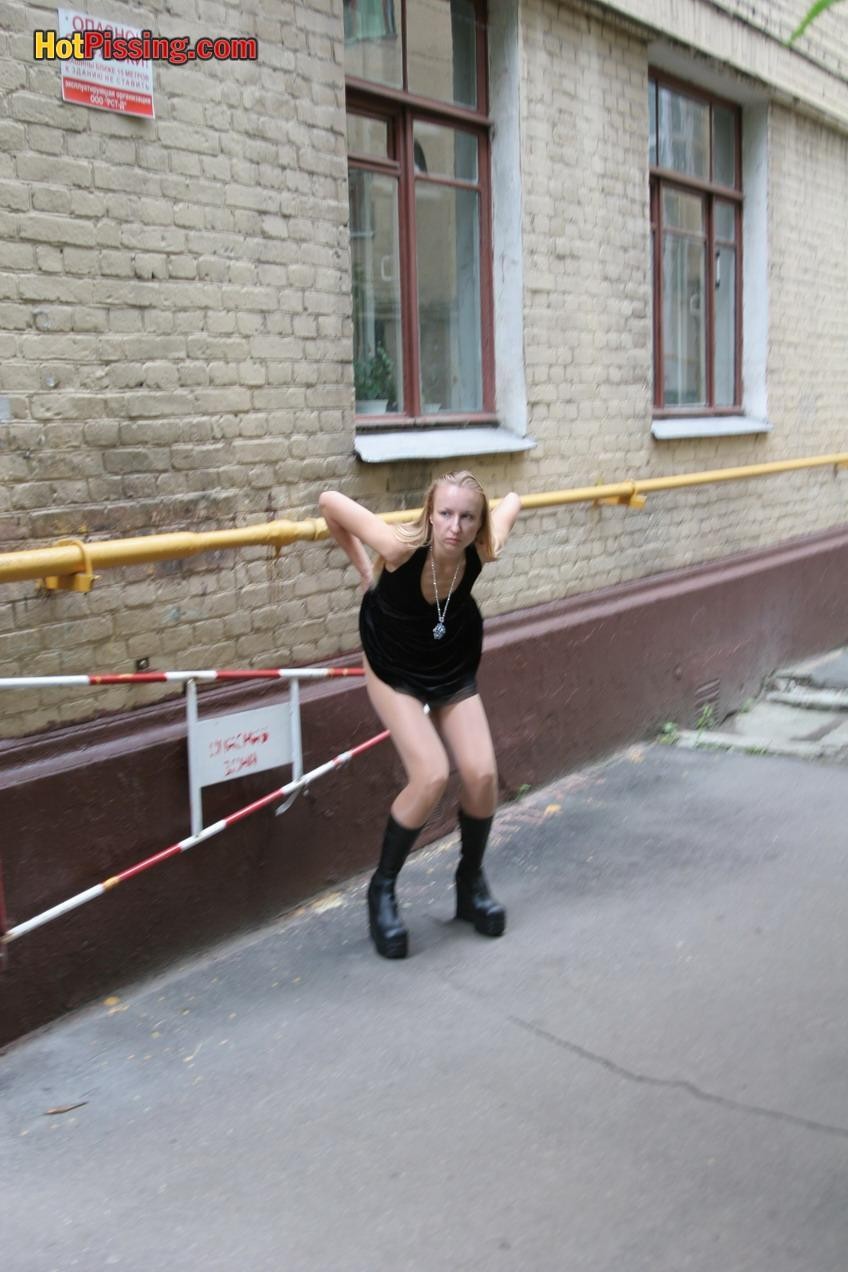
(420, 216)
(696, 239)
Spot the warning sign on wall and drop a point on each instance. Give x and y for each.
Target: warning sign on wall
(122, 86)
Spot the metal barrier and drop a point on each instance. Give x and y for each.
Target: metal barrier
(72, 564)
(236, 727)
(265, 728)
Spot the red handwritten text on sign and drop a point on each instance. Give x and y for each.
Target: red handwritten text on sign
(237, 742)
(242, 742)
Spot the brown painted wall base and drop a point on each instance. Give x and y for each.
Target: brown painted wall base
(563, 683)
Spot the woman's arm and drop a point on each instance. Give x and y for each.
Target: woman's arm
(354, 550)
(503, 518)
(352, 526)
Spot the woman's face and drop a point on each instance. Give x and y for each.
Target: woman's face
(456, 517)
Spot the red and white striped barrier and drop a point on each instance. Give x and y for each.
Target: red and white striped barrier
(180, 677)
(189, 678)
(90, 894)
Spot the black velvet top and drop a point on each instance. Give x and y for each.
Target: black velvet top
(396, 626)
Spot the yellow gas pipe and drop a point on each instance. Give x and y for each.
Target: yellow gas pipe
(73, 565)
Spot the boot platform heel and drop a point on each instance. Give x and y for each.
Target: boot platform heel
(475, 904)
(388, 933)
(396, 946)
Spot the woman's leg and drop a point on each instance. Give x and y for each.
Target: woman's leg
(426, 765)
(465, 731)
(417, 743)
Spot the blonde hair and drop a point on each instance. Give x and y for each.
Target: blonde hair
(416, 533)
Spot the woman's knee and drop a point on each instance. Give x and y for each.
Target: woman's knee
(480, 784)
(429, 780)
(435, 779)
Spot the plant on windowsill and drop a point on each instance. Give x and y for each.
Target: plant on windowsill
(374, 383)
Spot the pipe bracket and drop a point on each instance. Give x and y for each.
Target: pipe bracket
(81, 580)
(630, 500)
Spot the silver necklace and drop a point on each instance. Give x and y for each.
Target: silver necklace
(439, 630)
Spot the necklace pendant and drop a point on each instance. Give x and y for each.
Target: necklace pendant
(439, 631)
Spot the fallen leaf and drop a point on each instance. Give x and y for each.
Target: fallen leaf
(65, 1108)
(331, 902)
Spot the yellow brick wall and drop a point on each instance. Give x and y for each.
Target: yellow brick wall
(825, 42)
(176, 343)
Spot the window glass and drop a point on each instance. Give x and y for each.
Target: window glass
(372, 41)
(442, 50)
(725, 221)
(367, 137)
(724, 146)
(445, 152)
(684, 343)
(447, 220)
(683, 211)
(377, 347)
(652, 123)
(684, 134)
(725, 326)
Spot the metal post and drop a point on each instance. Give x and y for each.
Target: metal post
(194, 792)
(297, 745)
(296, 741)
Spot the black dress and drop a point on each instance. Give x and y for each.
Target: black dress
(396, 626)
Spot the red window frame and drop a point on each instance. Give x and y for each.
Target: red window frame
(709, 192)
(401, 109)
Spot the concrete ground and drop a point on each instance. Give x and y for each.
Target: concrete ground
(646, 1074)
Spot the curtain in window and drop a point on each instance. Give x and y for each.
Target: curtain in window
(369, 19)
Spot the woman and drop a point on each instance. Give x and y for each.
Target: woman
(422, 636)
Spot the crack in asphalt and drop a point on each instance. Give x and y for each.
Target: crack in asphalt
(678, 1084)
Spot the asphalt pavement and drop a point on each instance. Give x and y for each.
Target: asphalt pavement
(645, 1074)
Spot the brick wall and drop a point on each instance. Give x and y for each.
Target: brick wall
(588, 315)
(825, 42)
(176, 344)
(749, 36)
(175, 338)
(808, 371)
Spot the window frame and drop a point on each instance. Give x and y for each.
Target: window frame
(709, 192)
(401, 109)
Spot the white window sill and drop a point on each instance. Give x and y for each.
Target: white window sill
(381, 447)
(666, 430)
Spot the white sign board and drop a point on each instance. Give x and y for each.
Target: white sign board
(122, 86)
(228, 746)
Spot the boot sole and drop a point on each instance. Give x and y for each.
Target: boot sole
(485, 924)
(392, 947)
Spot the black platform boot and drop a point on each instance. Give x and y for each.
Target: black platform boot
(387, 931)
(474, 901)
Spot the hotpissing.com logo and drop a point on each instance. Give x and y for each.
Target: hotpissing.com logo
(115, 46)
